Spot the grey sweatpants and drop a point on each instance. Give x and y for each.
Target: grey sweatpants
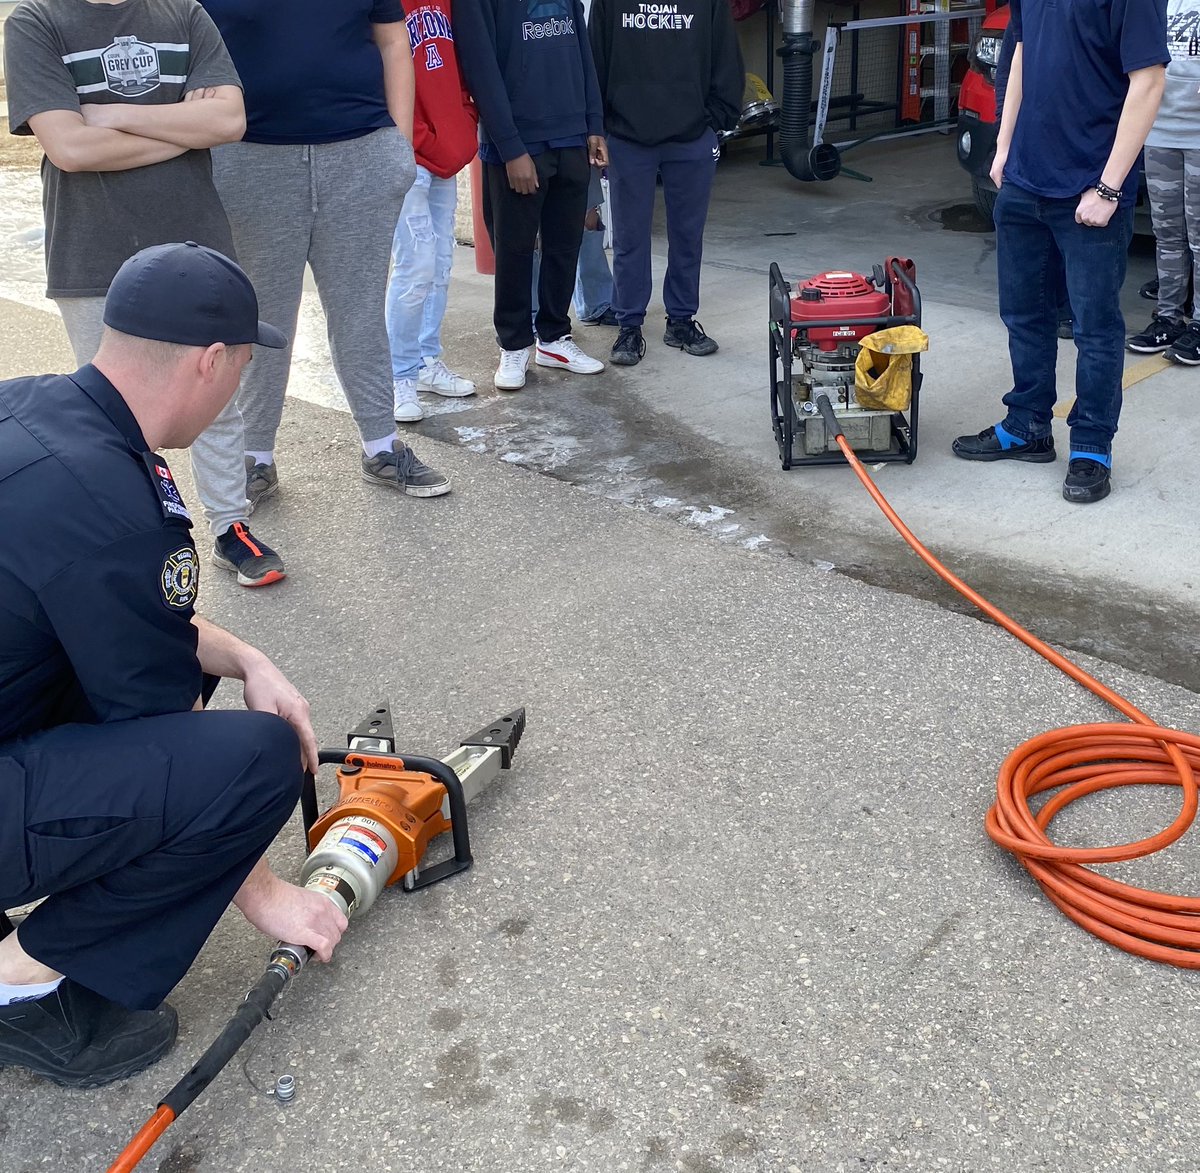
(218, 453)
(1173, 184)
(334, 206)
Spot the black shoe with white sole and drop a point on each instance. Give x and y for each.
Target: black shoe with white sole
(1156, 337)
(1186, 348)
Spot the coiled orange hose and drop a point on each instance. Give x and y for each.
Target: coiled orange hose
(1081, 760)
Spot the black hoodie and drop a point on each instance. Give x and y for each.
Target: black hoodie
(668, 71)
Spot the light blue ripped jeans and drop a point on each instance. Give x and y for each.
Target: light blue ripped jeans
(422, 254)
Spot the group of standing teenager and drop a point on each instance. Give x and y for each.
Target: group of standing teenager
(630, 88)
(302, 133)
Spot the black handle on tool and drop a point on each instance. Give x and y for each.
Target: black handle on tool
(832, 426)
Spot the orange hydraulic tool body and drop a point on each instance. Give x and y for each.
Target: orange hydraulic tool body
(392, 806)
(389, 809)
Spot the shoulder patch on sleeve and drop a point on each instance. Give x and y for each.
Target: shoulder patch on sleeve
(180, 578)
(167, 491)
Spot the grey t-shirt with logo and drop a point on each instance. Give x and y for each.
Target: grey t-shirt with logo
(62, 54)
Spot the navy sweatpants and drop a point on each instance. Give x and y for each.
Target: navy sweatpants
(687, 171)
(139, 833)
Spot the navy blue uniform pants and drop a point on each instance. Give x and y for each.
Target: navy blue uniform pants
(139, 833)
(687, 171)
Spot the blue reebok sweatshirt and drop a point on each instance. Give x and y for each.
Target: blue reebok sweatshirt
(528, 65)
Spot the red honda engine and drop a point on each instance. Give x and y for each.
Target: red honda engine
(835, 297)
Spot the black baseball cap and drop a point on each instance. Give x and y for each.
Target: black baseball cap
(187, 294)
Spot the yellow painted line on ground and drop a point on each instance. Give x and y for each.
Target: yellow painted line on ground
(1134, 374)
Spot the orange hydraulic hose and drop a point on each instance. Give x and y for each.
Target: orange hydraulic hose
(142, 1143)
(1083, 759)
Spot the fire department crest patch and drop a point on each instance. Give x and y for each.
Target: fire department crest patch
(180, 580)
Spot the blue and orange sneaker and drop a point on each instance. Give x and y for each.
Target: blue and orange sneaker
(252, 560)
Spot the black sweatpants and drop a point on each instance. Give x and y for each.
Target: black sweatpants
(139, 833)
(514, 222)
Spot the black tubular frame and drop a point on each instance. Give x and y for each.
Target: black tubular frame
(459, 830)
(781, 338)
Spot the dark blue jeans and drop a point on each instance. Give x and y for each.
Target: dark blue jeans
(1030, 230)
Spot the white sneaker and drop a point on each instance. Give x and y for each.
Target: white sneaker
(510, 374)
(408, 408)
(566, 356)
(435, 376)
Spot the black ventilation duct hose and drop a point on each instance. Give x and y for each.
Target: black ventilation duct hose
(804, 160)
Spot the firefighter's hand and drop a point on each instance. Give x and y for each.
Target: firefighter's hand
(267, 690)
(1094, 211)
(522, 175)
(996, 174)
(290, 914)
(597, 150)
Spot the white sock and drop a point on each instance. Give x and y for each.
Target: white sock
(262, 457)
(10, 994)
(375, 447)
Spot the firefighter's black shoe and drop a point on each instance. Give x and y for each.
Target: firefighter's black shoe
(629, 348)
(1158, 336)
(688, 335)
(987, 446)
(75, 1038)
(1087, 481)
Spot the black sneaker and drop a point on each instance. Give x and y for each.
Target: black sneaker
(1087, 481)
(629, 348)
(688, 335)
(1150, 290)
(1186, 348)
(262, 481)
(75, 1038)
(400, 469)
(252, 560)
(607, 318)
(1159, 335)
(987, 446)
(1066, 328)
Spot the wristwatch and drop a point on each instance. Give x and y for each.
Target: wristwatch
(1108, 193)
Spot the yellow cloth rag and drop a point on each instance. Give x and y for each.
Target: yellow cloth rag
(883, 370)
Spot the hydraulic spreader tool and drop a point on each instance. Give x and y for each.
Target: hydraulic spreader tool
(391, 806)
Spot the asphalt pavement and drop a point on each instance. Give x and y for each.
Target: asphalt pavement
(733, 908)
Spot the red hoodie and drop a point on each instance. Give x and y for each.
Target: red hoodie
(445, 124)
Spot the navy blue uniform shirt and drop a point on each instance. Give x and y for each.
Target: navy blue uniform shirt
(98, 572)
(311, 70)
(1076, 56)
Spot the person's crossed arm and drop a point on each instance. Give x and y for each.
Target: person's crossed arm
(118, 136)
